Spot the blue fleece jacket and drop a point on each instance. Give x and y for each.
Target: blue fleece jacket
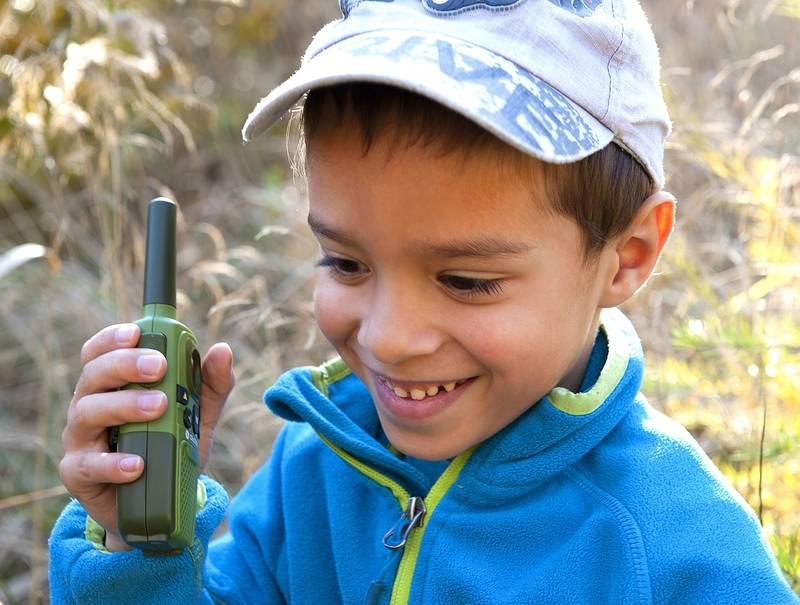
(587, 498)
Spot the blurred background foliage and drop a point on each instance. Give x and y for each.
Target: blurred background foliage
(105, 104)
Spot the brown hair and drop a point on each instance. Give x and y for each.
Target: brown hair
(601, 192)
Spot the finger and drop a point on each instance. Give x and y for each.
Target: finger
(109, 338)
(89, 418)
(120, 367)
(218, 381)
(83, 471)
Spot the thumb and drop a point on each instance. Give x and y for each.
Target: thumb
(218, 381)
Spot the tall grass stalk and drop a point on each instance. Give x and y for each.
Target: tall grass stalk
(104, 105)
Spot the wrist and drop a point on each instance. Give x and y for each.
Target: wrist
(114, 543)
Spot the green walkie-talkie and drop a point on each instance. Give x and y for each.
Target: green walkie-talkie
(156, 512)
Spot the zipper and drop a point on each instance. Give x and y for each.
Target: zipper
(404, 538)
(412, 517)
(401, 590)
(395, 540)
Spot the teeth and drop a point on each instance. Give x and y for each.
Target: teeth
(420, 394)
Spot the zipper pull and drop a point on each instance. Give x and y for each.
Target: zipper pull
(412, 517)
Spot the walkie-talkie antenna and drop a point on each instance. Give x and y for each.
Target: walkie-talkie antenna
(159, 267)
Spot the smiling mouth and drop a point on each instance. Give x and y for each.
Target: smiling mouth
(421, 391)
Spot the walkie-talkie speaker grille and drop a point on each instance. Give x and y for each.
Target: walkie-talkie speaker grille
(188, 487)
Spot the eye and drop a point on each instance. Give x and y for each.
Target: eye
(339, 267)
(471, 286)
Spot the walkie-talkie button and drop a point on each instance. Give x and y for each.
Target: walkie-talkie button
(195, 372)
(187, 418)
(182, 395)
(154, 340)
(196, 420)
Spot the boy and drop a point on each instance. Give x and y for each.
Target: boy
(485, 182)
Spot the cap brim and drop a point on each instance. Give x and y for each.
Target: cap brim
(515, 105)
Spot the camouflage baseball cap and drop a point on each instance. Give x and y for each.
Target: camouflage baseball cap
(558, 79)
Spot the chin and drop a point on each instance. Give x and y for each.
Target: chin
(426, 447)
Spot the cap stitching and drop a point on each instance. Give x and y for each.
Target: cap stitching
(460, 11)
(610, 59)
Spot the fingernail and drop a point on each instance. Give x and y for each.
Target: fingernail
(130, 464)
(150, 402)
(124, 334)
(150, 365)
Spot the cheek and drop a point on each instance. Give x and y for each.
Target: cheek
(532, 339)
(500, 338)
(333, 312)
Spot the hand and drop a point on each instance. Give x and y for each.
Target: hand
(89, 470)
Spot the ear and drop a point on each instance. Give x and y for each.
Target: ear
(638, 249)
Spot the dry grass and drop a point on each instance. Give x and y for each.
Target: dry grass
(101, 109)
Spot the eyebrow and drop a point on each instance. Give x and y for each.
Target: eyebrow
(320, 228)
(481, 247)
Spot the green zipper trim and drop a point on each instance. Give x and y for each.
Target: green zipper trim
(578, 404)
(399, 492)
(405, 571)
(329, 372)
(322, 377)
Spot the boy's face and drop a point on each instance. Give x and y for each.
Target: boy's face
(455, 295)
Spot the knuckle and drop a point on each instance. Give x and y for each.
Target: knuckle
(77, 413)
(120, 364)
(80, 387)
(98, 467)
(109, 465)
(63, 470)
(85, 470)
(85, 352)
(88, 350)
(98, 343)
(73, 472)
(87, 379)
(110, 367)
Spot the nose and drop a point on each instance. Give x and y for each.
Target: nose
(398, 324)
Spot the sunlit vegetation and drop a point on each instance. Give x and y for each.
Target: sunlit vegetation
(106, 104)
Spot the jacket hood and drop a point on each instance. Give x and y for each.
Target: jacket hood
(549, 437)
